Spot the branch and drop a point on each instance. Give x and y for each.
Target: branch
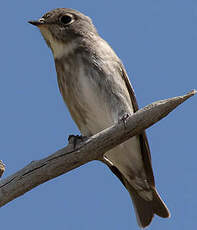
(67, 158)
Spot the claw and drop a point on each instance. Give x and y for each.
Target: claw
(76, 139)
(124, 119)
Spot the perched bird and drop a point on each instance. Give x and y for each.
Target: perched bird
(97, 91)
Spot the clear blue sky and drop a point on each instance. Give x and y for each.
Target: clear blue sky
(157, 42)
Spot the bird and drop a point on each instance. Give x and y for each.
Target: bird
(97, 91)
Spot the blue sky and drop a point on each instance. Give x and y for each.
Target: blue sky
(157, 42)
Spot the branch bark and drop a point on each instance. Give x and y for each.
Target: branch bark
(67, 158)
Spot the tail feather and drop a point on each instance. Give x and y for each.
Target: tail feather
(159, 206)
(145, 210)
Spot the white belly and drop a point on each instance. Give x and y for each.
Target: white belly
(99, 115)
(125, 156)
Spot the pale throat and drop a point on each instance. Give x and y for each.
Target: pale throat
(58, 48)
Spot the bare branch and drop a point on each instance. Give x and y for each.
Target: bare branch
(66, 159)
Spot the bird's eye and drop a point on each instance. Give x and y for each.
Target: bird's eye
(66, 19)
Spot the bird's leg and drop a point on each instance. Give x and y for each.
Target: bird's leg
(76, 139)
(124, 119)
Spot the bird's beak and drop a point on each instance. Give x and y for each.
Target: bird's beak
(38, 22)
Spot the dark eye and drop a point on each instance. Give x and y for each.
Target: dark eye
(66, 19)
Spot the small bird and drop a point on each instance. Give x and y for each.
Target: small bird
(96, 89)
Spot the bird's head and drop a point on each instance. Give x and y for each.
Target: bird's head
(62, 28)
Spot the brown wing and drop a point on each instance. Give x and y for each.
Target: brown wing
(144, 209)
(143, 138)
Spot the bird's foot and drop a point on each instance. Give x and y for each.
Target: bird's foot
(124, 119)
(76, 139)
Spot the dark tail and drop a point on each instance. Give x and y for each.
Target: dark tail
(145, 210)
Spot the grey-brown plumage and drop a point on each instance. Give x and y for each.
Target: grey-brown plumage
(95, 87)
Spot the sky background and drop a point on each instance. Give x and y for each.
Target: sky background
(157, 42)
